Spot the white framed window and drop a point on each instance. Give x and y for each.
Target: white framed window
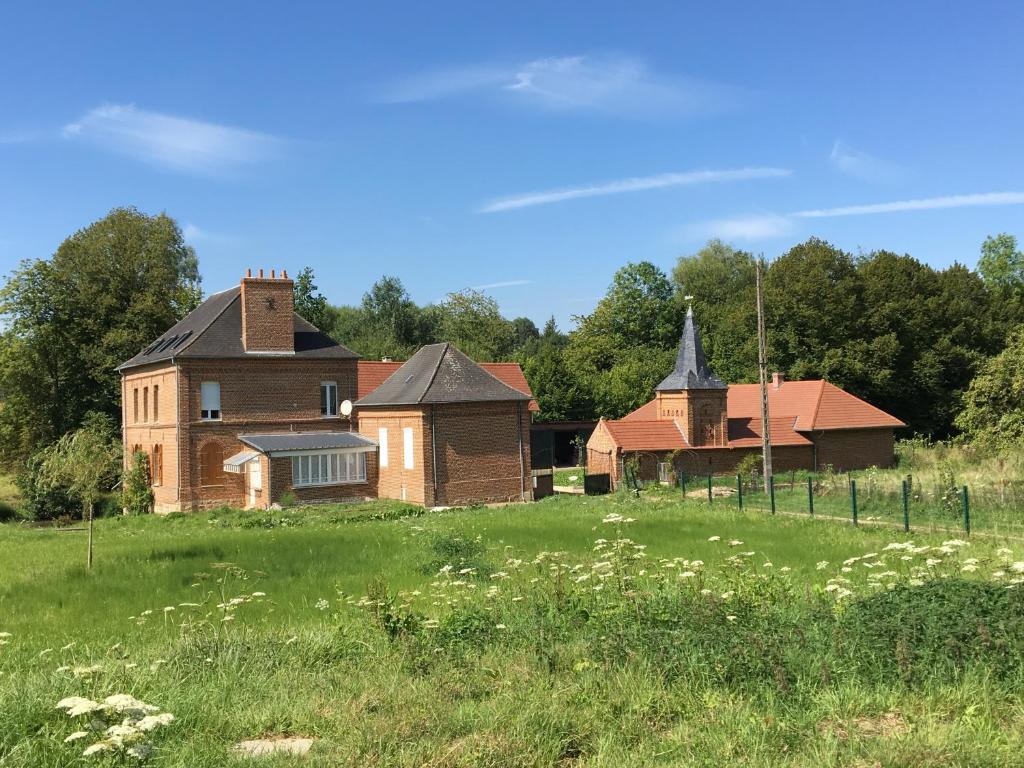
(328, 398)
(407, 446)
(328, 469)
(382, 438)
(209, 400)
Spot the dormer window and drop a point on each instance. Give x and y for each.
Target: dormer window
(209, 397)
(328, 398)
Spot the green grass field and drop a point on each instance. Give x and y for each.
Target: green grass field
(544, 652)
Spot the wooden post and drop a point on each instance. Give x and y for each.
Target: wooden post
(682, 483)
(967, 510)
(771, 492)
(739, 489)
(906, 507)
(810, 495)
(853, 500)
(88, 555)
(710, 495)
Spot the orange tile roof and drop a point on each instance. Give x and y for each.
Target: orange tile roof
(746, 432)
(372, 373)
(643, 435)
(812, 405)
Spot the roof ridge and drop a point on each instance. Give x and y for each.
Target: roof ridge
(817, 404)
(437, 367)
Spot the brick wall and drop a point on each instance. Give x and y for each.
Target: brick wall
(846, 449)
(268, 323)
(702, 414)
(259, 395)
(394, 480)
(153, 424)
(483, 452)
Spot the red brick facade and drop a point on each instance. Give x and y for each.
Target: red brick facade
(462, 453)
(481, 449)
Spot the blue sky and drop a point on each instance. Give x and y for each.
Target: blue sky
(530, 147)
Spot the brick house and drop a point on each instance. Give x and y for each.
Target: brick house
(464, 434)
(243, 400)
(697, 424)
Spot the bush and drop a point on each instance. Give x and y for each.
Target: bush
(41, 500)
(137, 495)
(458, 552)
(938, 628)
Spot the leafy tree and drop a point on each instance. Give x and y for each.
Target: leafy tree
(109, 290)
(1001, 264)
(993, 408)
(85, 463)
(471, 321)
(721, 280)
(136, 491)
(309, 302)
(393, 325)
(559, 393)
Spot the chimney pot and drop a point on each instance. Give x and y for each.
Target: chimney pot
(261, 271)
(248, 272)
(284, 274)
(271, 274)
(777, 379)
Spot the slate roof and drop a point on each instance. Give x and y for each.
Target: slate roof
(214, 330)
(691, 371)
(278, 442)
(440, 373)
(373, 373)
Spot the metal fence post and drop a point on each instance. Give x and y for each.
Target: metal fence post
(906, 507)
(810, 495)
(853, 500)
(682, 483)
(710, 497)
(967, 510)
(771, 491)
(739, 489)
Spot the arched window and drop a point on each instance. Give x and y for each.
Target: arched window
(156, 465)
(211, 464)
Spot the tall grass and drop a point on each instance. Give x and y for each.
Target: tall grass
(534, 635)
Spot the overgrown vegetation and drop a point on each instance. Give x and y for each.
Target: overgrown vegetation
(583, 631)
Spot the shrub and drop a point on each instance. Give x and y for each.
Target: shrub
(458, 553)
(136, 493)
(43, 501)
(940, 627)
(288, 499)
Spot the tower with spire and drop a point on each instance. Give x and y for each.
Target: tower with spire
(692, 395)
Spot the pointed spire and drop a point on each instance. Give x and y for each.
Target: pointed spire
(691, 371)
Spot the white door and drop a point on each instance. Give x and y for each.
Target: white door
(255, 475)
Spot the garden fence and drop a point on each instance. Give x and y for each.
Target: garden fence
(911, 502)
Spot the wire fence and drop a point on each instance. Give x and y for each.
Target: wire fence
(928, 502)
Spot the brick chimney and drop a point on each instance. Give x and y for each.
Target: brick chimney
(268, 321)
(778, 379)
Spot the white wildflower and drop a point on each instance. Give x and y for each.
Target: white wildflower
(822, 565)
(714, 538)
(76, 736)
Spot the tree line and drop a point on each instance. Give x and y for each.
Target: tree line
(939, 348)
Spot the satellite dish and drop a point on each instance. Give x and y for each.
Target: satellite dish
(346, 407)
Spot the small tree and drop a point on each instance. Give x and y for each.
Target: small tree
(136, 492)
(86, 462)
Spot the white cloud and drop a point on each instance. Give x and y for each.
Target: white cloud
(614, 84)
(861, 165)
(195, 235)
(636, 184)
(767, 226)
(924, 204)
(178, 143)
(503, 284)
(757, 227)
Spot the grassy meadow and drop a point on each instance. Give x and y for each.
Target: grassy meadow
(576, 631)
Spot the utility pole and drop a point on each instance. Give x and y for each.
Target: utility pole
(762, 364)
